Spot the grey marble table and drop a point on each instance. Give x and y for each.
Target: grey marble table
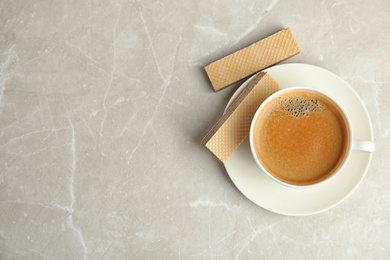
(102, 108)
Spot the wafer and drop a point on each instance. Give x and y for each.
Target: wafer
(233, 127)
(258, 56)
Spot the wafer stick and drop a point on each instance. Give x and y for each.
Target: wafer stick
(232, 128)
(258, 56)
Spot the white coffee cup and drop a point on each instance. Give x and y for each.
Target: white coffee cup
(353, 145)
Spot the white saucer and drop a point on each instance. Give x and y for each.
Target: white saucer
(259, 188)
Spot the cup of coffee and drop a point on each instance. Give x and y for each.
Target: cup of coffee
(300, 137)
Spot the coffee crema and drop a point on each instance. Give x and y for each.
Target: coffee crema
(300, 137)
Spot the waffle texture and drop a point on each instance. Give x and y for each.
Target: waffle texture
(258, 56)
(233, 127)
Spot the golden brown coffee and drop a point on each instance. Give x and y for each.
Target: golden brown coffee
(300, 137)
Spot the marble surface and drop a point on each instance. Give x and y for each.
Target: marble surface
(102, 109)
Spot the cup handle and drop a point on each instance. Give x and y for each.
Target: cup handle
(365, 146)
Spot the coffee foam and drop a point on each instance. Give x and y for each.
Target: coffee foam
(300, 106)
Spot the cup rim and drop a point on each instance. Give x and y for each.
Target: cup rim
(340, 108)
